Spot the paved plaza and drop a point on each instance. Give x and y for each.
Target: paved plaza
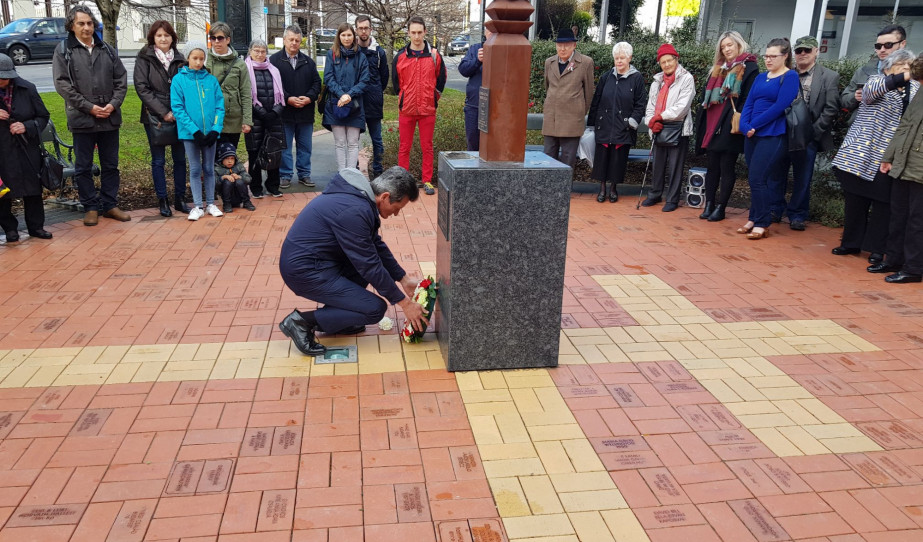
(710, 388)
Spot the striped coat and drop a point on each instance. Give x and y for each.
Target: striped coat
(871, 131)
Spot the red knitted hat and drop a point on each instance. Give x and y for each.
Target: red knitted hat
(666, 49)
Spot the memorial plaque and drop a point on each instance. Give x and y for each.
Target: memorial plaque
(727, 437)
(667, 388)
(467, 463)
(618, 444)
(783, 476)
(412, 503)
(900, 472)
(696, 418)
(722, 417)
(675, 370)
(444, 209)
(257, 442)
(132, 521)
(51, 398)
(276, 510)
(90, 422)
(731, 452)
(664, 486)
(396, 383)
(653, 372)
(188, 392)
(813, 385)
(379, 413)
(759, 521)
(46, 514)
(837, 385)
(880, 435)
(454, 531)
(286, 441)
(630, 460)
(905, 433)
(668, 516)
(8, 421)
(216, 476)
(483, 109)
(624, 396)
(869, 470)
(486, 530)
(403, 434)
(295, 388)
(754, 478)
(184, 478)
(583, 391)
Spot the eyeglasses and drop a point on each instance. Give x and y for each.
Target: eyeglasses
(803, 50)
(217, 38)
(772, 57)
(885, 45)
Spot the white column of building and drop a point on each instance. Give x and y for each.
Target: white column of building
(852, 9)
(821, 22)
(801, 23)
(257, 20)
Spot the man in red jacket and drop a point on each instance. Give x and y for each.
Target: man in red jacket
(421, 70)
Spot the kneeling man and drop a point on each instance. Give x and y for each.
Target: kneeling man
(333, 251)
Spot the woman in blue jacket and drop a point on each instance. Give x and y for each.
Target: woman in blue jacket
(346, 76)
(763, 122)
(198, 105)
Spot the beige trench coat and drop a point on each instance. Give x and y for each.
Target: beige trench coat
(567, 96)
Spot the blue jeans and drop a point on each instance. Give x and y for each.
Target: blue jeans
(802, 163)
(764, 161)
(378, 146)
(201, 168)
(159, 160)
(302, 133)
(107, 144)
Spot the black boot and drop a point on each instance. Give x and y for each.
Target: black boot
(709, 209)
(165, 207)
(718, 214)
(180, 205)
(614, 193)
(601, 197)
(295, 328)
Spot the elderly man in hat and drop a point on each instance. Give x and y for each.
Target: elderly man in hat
(568, 95)
(822, 94)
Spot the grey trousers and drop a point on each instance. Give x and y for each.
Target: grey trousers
(668, 169)
(567, 146)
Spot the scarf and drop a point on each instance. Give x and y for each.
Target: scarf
(278, 97)
(6, 98)
(668, 81)
(725, 80)
(164, 58)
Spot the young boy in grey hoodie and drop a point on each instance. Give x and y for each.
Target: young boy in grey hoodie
(233, 179)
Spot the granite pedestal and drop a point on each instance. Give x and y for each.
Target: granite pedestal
(500, 252)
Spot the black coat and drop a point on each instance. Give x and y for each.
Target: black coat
(22, 159)
(373, 98)
(266, 116)
(302, 80)
(618, 103)
(88, 79)
(152, 82)
(723, 140)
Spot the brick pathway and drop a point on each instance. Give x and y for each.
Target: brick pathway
(710, 388)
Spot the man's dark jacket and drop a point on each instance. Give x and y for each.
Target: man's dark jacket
(373, 98)
(824, 105)
(472, 68)
(302, 80)
(339, 228)
(87, 80)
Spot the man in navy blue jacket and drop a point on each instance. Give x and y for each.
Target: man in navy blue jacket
(373, 98)
(471, 67)
(333, 252)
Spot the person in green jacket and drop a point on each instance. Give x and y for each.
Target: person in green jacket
(904, 163)
(234, 77)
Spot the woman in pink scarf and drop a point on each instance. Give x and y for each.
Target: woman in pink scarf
(268, 103)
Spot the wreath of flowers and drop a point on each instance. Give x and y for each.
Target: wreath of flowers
(425, 296)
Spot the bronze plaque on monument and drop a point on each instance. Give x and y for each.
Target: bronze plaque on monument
(483, 108)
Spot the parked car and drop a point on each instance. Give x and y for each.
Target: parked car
(459, 45)
(29, 39)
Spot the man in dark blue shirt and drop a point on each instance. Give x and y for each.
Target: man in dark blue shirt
(471, 67)
(333, 252)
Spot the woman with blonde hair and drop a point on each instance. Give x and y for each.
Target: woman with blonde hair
(726, 91)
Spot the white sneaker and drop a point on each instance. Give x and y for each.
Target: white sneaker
(214, 210)
(196, 213)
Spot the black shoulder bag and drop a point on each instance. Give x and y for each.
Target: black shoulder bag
(798, 122)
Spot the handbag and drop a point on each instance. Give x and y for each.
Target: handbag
(669, 136)
(163, 133)
(798, 122)
(269, 156)
(51, 170)
(735, 118)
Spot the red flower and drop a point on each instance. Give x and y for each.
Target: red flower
(425, 283)
(531, 104)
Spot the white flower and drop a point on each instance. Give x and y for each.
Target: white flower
(386, 324)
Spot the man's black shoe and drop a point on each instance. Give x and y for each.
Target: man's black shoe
(875, 257)
(901, 278)
(669, 207)
(650, 201)
(295, 328)
(843, 251)
(40, 234)
(882, 268)
(12, 236)
(797, 225)
(352, 330)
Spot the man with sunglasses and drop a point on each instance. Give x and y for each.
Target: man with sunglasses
(821, 90)
(890, 39)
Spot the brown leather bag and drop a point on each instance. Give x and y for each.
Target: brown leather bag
(735, 118)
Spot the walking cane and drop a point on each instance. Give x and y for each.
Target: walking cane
(644, 178)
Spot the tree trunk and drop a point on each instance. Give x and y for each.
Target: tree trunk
(109, 13)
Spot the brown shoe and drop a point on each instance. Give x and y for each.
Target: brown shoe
(117, 214)
(91, 218)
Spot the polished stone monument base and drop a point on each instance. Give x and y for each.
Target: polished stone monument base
(500, 251)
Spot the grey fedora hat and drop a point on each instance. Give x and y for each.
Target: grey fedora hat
(7, 68)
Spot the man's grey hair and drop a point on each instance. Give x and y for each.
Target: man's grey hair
(258, 44)
(901, 56)
(398, 182)
(293, 29)
(624, 48)
(72, 17)
(222, 27)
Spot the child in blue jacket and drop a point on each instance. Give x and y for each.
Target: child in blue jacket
(198, 105)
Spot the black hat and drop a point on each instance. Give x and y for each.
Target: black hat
(565, 35)
(226, 149)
